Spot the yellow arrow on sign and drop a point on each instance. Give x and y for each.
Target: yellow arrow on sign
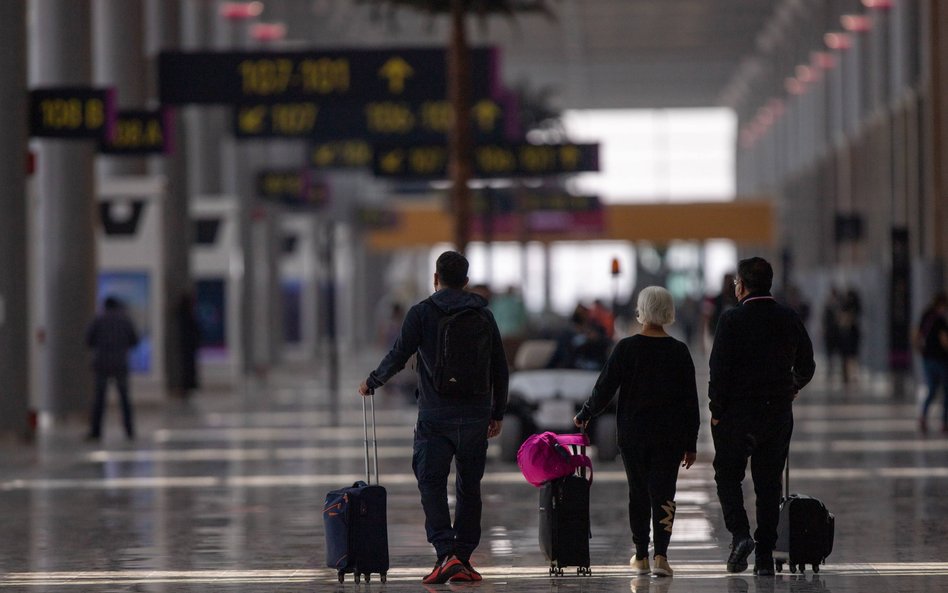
(569, 157)
(486, 112)
(323, 156)
(392, 161)
(396, 71)
(251, 119)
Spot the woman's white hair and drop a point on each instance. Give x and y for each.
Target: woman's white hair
(655, 306)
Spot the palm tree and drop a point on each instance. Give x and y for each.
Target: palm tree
(459, 90)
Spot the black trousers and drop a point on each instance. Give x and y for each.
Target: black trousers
(652, 472)
(762, 433)
(98, 406)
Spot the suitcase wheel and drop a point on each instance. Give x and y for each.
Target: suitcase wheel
(793, 568)
(342, 576)
(802, 568)
(368, 577)
(358, 577)
(816, 568)
(383, 577)
(779, 566)
(583, 571)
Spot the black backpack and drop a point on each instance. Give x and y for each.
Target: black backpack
(462, 365)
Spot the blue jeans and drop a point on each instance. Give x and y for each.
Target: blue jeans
(936, 375)
(436, 444)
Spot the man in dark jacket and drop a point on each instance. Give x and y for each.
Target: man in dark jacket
(448, 427)
(762, 356)
(111, 335)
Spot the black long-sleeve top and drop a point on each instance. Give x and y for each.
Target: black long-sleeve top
(658, 398)
(761, 352)
(419, 333)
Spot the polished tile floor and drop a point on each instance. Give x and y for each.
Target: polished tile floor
(224, 494)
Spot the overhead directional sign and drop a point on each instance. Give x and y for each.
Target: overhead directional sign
(490, 160)
(341, 154)
(292, 187)
(139, 132)
(72, 112)
(356, 75)
(427, 121)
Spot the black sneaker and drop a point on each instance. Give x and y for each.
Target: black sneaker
(740, 550)
(764, 565)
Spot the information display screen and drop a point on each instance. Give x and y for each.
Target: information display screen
(355, 75)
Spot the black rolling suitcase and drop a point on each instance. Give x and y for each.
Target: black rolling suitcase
(355, 522)
(564, 522)
(805, 531)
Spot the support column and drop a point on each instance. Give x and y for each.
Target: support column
(60, 46)
(14, 332)
(162, 33)
(119, 61)
(204, 125)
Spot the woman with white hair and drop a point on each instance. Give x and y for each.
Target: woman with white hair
(657, 417)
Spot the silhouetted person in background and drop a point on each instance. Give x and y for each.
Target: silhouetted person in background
(111, 336)
(850, 335)
(189, 344)
(830, 323)
(715, 306)
(932, 340)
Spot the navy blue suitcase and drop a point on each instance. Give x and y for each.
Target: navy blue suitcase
(356, 523)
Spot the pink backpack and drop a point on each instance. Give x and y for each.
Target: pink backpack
(548, 456)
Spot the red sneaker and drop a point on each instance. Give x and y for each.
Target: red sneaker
(443, 572)
(468, 575)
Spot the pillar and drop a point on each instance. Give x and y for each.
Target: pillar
(14, 331)
(61, 54)
(163, 20)
(119, 62)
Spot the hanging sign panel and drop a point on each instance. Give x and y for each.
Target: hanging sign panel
(72, 112)
(341, 154)
(139, 132)
(356, 75)
(385, 121)
(292, 187)
(490, 160)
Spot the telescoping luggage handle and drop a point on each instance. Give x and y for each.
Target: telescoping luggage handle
(375, 443)
(578, 443)
(786, 478)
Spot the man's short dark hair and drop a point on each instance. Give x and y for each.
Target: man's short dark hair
(452, 269)
(756, 274)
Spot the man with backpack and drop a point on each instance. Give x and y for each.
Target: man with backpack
(462, 396)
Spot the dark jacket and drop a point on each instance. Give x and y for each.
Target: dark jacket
(658, 398)
(111, 335)
(419, 334)
(762, 353)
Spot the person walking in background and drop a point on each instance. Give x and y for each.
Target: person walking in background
(932, 340)
(111, 336)
(457, 411)
(657, 418)
(761, 358)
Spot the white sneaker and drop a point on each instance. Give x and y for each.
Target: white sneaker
(640, 566)
(662, 569)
